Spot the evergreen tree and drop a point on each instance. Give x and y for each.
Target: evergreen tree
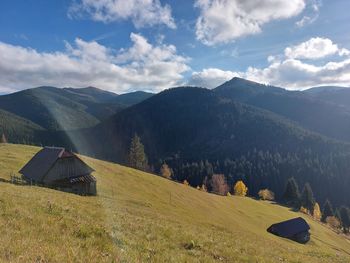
(327, 211)
(3, 139)
(291, 194)
(345, 218)
(137, 157)
(307, 198)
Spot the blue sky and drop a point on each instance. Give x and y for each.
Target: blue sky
(151, 45)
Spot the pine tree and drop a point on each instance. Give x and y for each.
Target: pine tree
(317, 212)
(240, 189)
(3, 138)
(137, 157)
(327, 211)
(165, 171)
(291, 194)
(307, 198)
(345, 218)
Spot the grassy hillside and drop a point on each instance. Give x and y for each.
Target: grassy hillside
(138, 217)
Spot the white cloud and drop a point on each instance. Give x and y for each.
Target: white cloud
(288, 72)
(313, 8)
(142, 66)
(141, 12)
(222, 21)
(315, 48)
(211, 77)
(306, 20)
(295, 74)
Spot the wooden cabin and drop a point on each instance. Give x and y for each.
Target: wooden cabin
(58, 168)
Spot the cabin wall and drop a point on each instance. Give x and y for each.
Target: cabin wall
(81, 188)
(66, 168)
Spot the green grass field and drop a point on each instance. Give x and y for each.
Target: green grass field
(138, 217)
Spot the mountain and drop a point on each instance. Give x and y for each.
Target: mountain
(262, 138)
(92, 94)
(337, 95)
(18, 129)
(140, 217)
(49, 107)
(68, 108)
(188, 125)
(132, 98)
(312, 110)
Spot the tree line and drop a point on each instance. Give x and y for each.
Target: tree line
(203, 176)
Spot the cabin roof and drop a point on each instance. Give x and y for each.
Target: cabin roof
(289, 228)
(42, 161)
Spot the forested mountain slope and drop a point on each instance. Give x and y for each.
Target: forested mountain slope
(322, 112)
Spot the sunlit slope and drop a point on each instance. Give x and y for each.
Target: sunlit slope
(138, 217)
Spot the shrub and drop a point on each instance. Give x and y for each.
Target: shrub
(240, 189)
(333, 221)
(304, 210)
(204, 188)
(266, 194)
(165, 171)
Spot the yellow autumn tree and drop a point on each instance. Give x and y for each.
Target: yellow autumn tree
(166, 171)
(317, 212)
(240, 189)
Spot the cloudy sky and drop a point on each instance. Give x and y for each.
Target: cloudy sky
(123, 46)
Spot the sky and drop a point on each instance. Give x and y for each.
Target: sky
(151, 45)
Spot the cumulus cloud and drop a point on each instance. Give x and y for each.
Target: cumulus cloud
(210, 77)
(222, 21)
(141, 12)
(295, 74)
(289, 71)
(142, 66)
(315, 48)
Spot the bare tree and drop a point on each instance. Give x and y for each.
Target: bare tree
(219, 184)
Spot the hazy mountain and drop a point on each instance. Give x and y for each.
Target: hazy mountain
(321, 113)
(18, 129)
(92, 94)
(132, 98)
(337, 95)
(65, 109)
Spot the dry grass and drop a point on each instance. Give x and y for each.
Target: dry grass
(138, 217)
